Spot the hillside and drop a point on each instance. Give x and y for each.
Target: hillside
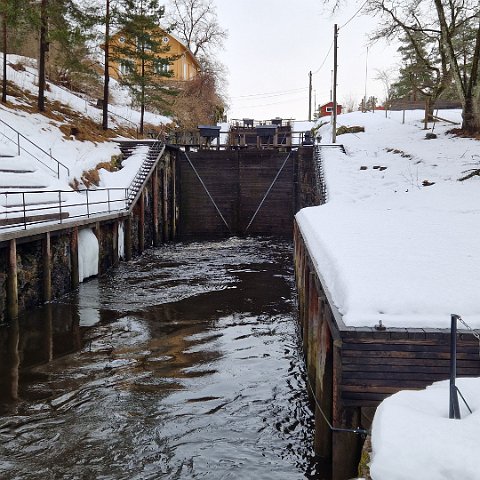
(69, 129)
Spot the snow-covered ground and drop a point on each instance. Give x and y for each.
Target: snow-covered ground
(397, 242)
(31, 169)
(78, 156)
(413, 438)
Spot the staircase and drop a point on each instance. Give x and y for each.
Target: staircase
(127, 148)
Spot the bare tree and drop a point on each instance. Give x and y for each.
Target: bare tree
(385, 77)
(349, 103)
(196, 23)
(443, 28)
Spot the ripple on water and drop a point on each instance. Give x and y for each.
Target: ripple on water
(186, 365)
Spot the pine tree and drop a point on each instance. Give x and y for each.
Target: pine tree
(58, 23)
(142, 54)
(416, 77)
(11, 15)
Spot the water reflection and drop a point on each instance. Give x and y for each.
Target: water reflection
(182, 364)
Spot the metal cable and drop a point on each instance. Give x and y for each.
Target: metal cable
(268, 191)
(207, 192)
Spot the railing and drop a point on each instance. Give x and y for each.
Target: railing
(23, 209)
(143, 173)
(20, 148)
(241, 138)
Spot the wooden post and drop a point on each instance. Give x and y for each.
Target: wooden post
(14, 359)
(99, 235)
(115, 229)
(324, 383)
(166, 229)
(47, 268)
(174, 198)
(128, 238)
(156, 216)
(345, 445)
(12, 281)
(141, 223)
(74, 258)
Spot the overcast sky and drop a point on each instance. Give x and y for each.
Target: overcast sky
(273, 44)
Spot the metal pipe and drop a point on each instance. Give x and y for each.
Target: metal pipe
(88, 206)
(454, 407)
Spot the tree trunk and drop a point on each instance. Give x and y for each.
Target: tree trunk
(142, 97)
(42, 57)
(4, 79)
(471, 116)
(107, 67)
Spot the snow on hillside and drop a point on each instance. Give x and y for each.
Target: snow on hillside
(78, 156)
(397, 240)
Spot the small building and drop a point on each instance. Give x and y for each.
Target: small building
(183, 68)
(327, 109)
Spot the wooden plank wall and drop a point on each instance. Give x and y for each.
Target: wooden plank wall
(376, 364)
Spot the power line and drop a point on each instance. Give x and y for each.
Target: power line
(324, 60)
(274, 103)
(272, 94)
(356, 13)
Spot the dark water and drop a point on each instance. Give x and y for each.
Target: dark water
(183, 364)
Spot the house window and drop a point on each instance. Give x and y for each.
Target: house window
(161, 67)
(125, 67)
(329, 109)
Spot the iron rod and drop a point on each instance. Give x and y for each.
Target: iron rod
(454, 407)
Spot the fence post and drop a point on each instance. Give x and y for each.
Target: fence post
(24, 211)
(60, 204)
(454, 407)
(108, 195)
(88, 206)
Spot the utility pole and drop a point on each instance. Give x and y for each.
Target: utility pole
(366, 78)
(335, 64)
(310, 96)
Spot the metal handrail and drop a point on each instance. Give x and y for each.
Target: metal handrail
(134, 187)
(20, 148)
(56, 207)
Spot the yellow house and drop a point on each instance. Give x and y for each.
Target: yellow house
(184, 68)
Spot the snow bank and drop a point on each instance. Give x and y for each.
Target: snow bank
(413, 438)
(388, 246)
(88, 251)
